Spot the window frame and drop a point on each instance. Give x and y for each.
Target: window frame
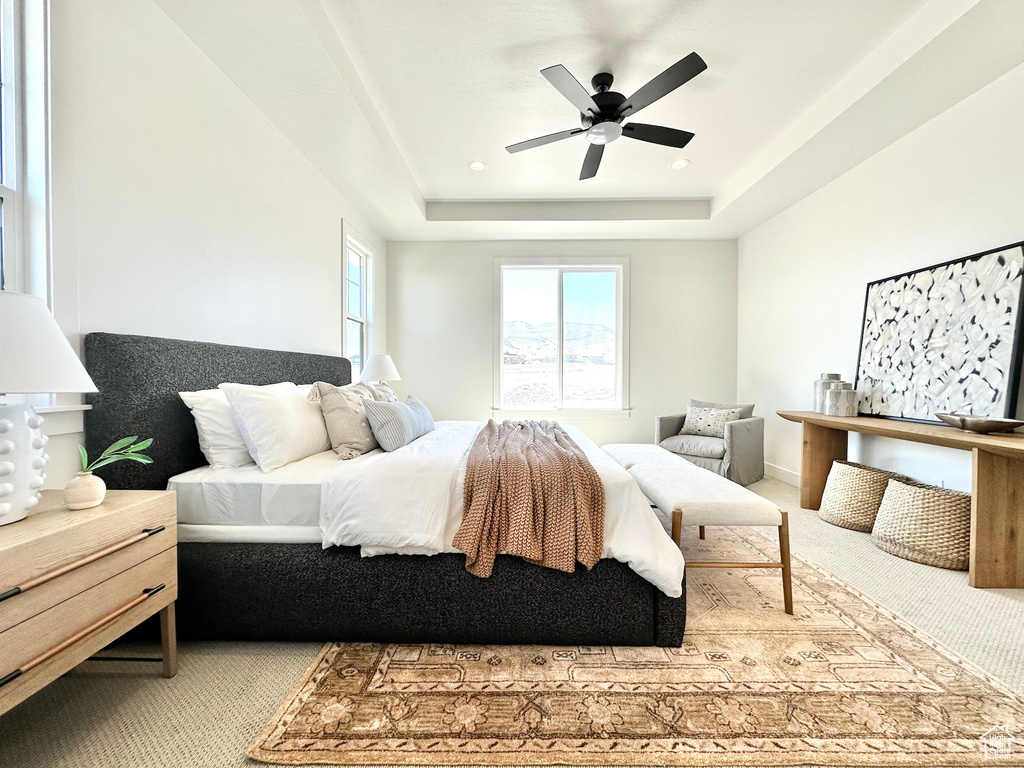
(354, 244)
(567, 264)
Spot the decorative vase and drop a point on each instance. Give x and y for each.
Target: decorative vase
(841, 401)
(85, 491)
(823, 384)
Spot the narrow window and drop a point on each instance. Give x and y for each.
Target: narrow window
(356, 265)
(8, 143)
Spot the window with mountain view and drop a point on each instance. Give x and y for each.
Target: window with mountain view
(560, 337)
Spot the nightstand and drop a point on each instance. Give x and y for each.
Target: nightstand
(73, 582)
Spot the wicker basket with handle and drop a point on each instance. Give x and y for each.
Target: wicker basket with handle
(925, 524)
(853, 493)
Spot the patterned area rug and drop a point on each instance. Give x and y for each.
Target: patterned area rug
(841, 683)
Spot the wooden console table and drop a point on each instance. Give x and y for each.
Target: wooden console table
(997, 502)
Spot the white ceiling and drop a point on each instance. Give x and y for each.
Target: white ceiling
(459, 80)
(391, 100)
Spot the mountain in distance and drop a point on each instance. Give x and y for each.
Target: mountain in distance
(584, 342)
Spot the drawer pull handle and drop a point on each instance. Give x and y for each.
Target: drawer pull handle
(96, 625)
(51, 575)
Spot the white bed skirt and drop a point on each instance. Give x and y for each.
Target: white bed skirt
(250, 534)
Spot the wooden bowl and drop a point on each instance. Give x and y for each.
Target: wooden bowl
(982, 425)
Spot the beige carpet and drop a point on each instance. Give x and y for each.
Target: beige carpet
(126, 715)
(983, 625)
(841, 683)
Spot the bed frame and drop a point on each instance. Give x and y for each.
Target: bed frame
(297, 592)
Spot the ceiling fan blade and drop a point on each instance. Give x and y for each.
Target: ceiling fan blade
(540, 141)
(657, 134)
(681, 72)
(592, 161)
(570, 87)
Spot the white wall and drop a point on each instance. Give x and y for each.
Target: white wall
(178, 209)
(682, 324)
(953, 187)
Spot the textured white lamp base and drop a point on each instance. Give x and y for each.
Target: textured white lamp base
(22, 458)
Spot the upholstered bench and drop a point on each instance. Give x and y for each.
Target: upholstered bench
(695, 496)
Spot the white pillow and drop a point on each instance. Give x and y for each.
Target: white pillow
(219, 438)
(279, 426)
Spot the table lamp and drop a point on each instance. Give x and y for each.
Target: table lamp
(35, 358)
(379, 368)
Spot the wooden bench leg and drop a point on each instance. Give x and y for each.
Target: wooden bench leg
(701, 531)
(169, 641)
(677, 527)
(787, 572)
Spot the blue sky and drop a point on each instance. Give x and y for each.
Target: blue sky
(531, 295)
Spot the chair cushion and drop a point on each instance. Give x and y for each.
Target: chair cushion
(746, 409)
(695, 445)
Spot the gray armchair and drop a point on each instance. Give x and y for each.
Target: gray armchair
(738, 457)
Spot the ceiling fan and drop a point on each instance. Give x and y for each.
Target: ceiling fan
(601, 115)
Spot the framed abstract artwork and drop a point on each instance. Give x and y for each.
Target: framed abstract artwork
(945, 339)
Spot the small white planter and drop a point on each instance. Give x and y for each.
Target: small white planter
(85, 491)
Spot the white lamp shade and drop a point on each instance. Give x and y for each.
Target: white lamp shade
(380, 368)
(35, 356)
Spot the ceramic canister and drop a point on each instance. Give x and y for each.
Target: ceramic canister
(841, 401)
(823, 384)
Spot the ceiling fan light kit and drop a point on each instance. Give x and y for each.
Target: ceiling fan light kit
(602, 114)
(604, 133)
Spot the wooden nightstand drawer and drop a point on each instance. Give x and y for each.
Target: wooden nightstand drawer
(55, 537)
(51, 628)
(131, 551)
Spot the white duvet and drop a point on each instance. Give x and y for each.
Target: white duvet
(409, 502)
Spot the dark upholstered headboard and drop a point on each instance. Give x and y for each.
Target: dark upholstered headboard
(139, 378)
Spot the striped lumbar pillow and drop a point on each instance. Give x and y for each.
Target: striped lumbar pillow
(398, 424)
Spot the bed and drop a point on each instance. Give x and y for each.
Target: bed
(281, 584)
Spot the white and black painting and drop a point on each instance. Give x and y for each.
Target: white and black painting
(944, 339)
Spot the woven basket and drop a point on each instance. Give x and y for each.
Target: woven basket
(853, 493)
(925, 524)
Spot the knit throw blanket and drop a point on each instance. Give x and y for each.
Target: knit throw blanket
(530, 491)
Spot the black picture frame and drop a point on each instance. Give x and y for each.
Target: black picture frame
(1017, 348)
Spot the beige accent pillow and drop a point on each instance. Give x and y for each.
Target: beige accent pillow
(708, 422)
(347, 425)
(382, 393)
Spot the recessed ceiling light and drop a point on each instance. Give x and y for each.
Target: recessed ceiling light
(478, 165)
(682, 162)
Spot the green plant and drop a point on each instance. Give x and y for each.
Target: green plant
(125, 448)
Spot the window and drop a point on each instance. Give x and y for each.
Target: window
(356, 268)
(24, 148)
(8, 143)
(562, 336)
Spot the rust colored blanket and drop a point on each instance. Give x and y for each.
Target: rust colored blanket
(530, 491)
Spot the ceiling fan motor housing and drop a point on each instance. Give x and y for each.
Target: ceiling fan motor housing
(608, 102)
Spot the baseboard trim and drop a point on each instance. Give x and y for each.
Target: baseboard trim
(779, 473)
